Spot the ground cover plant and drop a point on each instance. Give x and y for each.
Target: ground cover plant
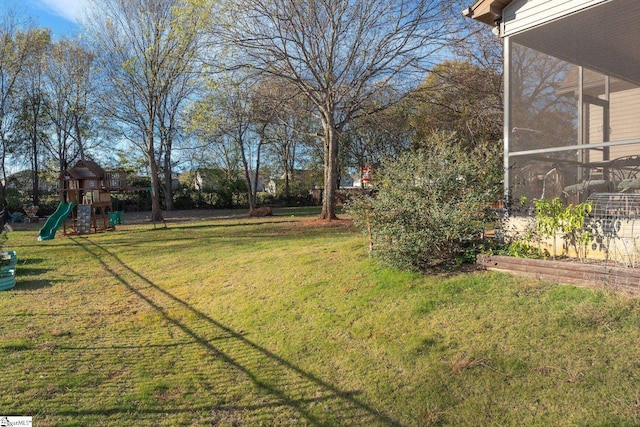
(283, 321)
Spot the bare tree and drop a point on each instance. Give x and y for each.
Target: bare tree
(169, 124)
(339, 53)
(285, 118)
(15, 49)
(371, 138)
(145, 47)
(226, 114)
(69, 81)
(30, 121)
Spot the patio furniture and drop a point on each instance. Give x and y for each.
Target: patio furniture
(581, 191)
(625, 171)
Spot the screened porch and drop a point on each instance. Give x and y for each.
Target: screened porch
(572, 106)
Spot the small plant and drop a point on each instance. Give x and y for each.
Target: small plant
(573, 226)
(525, 243)
(548, 212)
(552, 217)
(524, 249)
(361, 209)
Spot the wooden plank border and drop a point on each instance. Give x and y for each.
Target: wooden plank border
(565, 271)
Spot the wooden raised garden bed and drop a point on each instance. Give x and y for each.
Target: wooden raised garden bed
(566, 271)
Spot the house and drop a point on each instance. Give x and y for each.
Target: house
(572, 101)
(300, 181)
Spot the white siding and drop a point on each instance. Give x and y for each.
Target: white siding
(522, 15)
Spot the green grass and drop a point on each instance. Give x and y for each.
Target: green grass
(279, 322)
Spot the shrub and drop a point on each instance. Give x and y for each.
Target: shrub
(553, 217)
(431, 203)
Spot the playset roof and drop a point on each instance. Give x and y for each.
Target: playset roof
(85, 169)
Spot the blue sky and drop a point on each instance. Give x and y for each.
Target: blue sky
(62, 16)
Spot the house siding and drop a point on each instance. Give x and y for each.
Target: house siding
(625, 108)
(624, 124)
(522, 15)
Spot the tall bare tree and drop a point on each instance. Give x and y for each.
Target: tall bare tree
(284, 117)
(372, 138)
(30, 131)
(69, 81)
(15, 50)
(227, 114)
(339, 53)
(146, 47)
(170, 124)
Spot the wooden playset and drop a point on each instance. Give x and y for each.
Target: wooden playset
(85, 192)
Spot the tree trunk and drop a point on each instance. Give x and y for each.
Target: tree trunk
(36, 178)
(168, 179)
(287, 188)
(247, 177)
(331, 136)
(79, 140)
(3, 141)
(256, 176)
(156, 212)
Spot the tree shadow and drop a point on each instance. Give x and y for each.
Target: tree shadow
(31, 285)
(285, 384)
(23, 271)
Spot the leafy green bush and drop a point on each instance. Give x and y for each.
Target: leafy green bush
(431, 203)
(553, 217)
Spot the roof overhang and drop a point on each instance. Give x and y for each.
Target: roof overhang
(486, 11)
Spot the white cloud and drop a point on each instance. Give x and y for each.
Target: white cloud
(72, 10)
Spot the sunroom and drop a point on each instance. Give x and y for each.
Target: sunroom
(572, 99)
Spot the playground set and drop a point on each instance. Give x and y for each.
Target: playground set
(85, 201)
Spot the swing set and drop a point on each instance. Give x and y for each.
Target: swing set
(115, 216)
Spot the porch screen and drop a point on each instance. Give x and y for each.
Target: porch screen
(571, 131)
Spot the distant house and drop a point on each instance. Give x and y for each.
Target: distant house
(299, 179)
(359, 179)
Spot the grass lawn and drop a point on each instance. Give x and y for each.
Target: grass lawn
(281, 322)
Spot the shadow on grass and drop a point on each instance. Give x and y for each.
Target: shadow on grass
(31, 285)
(207, 224)
(287, 385)
(26, 271)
